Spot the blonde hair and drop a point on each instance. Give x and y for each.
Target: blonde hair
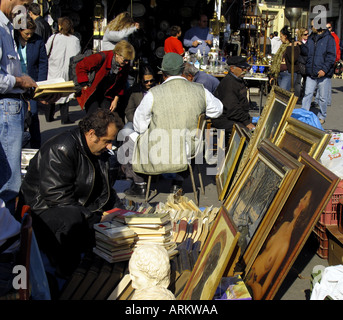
(121, 21)
(300, 33)
(125, 49)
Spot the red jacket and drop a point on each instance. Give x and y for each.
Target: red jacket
(92, 62)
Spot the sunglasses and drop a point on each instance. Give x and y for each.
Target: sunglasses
(147, 81)
(305, 34)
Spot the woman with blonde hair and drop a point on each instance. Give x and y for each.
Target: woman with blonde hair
(302, 35)
(118, 29)
(60, 47)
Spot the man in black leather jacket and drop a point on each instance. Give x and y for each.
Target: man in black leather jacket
(68, 187)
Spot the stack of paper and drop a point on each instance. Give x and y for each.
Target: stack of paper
(113, 241)
(152, 228)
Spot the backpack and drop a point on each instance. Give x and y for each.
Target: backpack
(72, 69)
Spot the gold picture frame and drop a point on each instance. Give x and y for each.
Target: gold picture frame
(213, 260)
(279, 106)
(227, 169)
(291, 228)
(297, 136)
(259, 192)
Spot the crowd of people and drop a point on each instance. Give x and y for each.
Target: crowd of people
(69, 184)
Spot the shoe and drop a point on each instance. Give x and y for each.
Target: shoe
(50, 119)
(322, 121)
(136, 190)
(67, 122)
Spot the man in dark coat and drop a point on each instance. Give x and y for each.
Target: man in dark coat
(68, 187)
(320, 53)
(43, 28)
(232, 92)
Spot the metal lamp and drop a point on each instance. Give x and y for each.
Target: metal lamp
(293, 15)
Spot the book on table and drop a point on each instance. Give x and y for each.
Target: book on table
(119, 214)
(114, 230)
(151, 228)
(112, 258)
(148, 218)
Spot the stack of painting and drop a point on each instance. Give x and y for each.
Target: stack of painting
(273, 190)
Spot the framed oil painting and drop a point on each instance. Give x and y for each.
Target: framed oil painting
(291, 228)
(279, 106)
(297, 136)
(228, 167)
(257, 193)
(213, 259)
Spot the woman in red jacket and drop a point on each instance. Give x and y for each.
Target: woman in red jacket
(110, 78)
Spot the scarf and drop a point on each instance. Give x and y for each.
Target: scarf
(275, 67)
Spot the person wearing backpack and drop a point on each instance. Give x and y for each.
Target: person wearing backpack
(110, 78)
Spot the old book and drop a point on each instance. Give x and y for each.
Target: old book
(118, 214)
(110, 258)
(182, 231)
(151, 228)
(148, 218)
(48, 87)
(112, 230)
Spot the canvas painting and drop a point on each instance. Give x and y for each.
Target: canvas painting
(291, 229)
(257, 189)
(213, 259)
(232, 157)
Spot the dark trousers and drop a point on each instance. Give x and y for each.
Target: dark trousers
(63, 233)
(50, 112)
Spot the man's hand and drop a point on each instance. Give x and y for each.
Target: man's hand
(195, 43)
(25, 82)
(321, 73)
(209, 42)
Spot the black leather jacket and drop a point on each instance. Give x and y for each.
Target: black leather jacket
(62, 174)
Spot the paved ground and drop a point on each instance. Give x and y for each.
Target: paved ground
(297, 284)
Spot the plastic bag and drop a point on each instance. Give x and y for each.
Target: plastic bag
(307, 117)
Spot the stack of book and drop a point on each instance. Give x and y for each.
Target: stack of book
(114, 241)
(152, 228)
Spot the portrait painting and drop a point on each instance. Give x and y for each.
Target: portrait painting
(291, 228)
(256, 192)
(232, 157)
(279, 106)
(297, 136)
(213, 259)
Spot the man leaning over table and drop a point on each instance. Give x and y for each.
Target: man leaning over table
(232, 92)
(68, 187)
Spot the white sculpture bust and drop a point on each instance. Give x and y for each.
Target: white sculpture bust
(153, 293)
(149, 268)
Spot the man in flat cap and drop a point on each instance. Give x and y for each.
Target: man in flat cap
(165, 121)
(232, 92)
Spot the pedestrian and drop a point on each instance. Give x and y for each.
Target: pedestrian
(43, 28)
(172, 43)
(60, 48)
(320, 52)
(275, 43)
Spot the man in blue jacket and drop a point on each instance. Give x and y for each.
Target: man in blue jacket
(320, 53)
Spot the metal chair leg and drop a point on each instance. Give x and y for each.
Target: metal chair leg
(193, 184)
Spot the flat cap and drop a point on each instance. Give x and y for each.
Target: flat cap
(172, 63)
(238, 61)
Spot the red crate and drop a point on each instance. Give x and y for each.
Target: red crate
(323, 240)
(329, 215)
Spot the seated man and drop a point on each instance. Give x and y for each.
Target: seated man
(199, 37)
(165, 123)
(232, 92)
(191, 73)
(68, 188)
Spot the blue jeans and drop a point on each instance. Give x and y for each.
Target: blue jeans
(12, 114)
(316, 100)
(285, 80)
(324, 85)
